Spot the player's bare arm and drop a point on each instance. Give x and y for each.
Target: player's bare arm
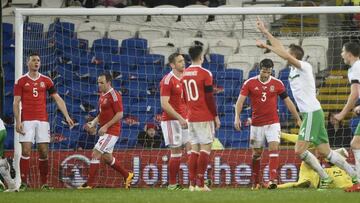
(217, 122)
(238, 108)
(353, 97)
(16, 109)
(61, 105)
(276, 45)
(165, 105)
(94, 122)
(290, 105)
(118, 116)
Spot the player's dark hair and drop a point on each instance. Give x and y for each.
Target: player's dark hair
(195, 52)
(266, 63)
(297, 51)
(172, 57)
(32, 54)
(107, 76)
(353, 48)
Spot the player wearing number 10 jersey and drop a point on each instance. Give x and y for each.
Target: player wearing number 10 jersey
(202, 117)
(263, 91)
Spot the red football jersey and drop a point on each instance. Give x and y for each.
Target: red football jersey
(195, 79)
(171, 86)
(33, 96)
(110, 103)
(263, 99)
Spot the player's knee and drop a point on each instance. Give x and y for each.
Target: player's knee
(25, 152)
(299, 152)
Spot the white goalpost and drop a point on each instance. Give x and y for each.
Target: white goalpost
(229, 40)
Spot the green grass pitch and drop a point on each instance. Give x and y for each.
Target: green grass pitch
(158, 195)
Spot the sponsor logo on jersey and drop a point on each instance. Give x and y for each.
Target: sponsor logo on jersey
(256, 88)
(264, 87)
(27, 84)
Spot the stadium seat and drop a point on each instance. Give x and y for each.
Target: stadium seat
(189, 42)
(286, 41)
(76, 20)
(107, 19)
(245, 29)
(106, 45)
(33, 31)
(7, 31)
(121, 31)
(216, 29)
(228, 19)
(284, 74)
(150, 59)
(183, 30)
(45, 20)
(224, 46)
(164, 46)
(91, 31)
(8, 15)
(134, 47)
(64, 29)
(215, 58)
(248, 47)
(151, 31)
(244, 62)
(197, 20)
(164, 20)
(315, 49)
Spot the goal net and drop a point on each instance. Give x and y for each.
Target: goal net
(76, 45)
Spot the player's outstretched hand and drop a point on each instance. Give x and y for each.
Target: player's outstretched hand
(339, 116)
(20, 128)
(237, 124)
(183, 123)
(70, 122)
(298, 122)
(260, 25)
(217, 122)
(260, 44)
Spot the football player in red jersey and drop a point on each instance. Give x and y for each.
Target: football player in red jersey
(33, 126)
(263, 91)
(173, 122)
(202, 116)
(109, 119)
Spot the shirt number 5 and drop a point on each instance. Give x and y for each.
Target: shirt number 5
(35, 92)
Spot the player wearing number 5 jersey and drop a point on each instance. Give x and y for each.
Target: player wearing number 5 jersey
(263, 91)
(33, 126)
(202, 117)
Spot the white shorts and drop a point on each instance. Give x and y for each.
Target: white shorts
(202, 132)
(258, 134)
(35, 132)
(106, 143)
(174, 135)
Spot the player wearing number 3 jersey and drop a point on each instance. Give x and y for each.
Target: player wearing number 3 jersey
(263, 91)
(202, 116)
(31, 90)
